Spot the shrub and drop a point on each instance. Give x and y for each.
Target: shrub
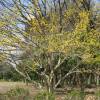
(17, 94)
(98, 95)
(44, 96)
(75, 95)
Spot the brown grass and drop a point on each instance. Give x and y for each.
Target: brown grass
(7, 86)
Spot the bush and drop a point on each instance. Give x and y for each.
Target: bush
(44, 96)
(75, 95)
(98, 95)
(17, 94)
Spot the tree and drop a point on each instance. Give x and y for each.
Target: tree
(51, 34)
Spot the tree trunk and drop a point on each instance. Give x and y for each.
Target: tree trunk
(89, 80)
(50, 86)
(97, 82)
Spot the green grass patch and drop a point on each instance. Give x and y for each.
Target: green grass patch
(44, 96)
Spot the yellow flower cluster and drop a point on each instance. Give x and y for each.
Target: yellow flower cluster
(83, 23)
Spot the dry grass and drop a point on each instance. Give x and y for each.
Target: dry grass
(7, 86)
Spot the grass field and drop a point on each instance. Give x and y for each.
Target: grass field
(33, 91)
(7, 86)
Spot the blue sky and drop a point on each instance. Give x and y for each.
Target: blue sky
(98, 0)
(27, 2)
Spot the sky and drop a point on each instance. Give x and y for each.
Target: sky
(27, 1)
(98, 0)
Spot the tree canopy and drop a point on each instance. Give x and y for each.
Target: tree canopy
(49, 35)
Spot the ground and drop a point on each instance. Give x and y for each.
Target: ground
(6, 86)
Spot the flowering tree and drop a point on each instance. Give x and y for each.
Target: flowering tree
(49, 34)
